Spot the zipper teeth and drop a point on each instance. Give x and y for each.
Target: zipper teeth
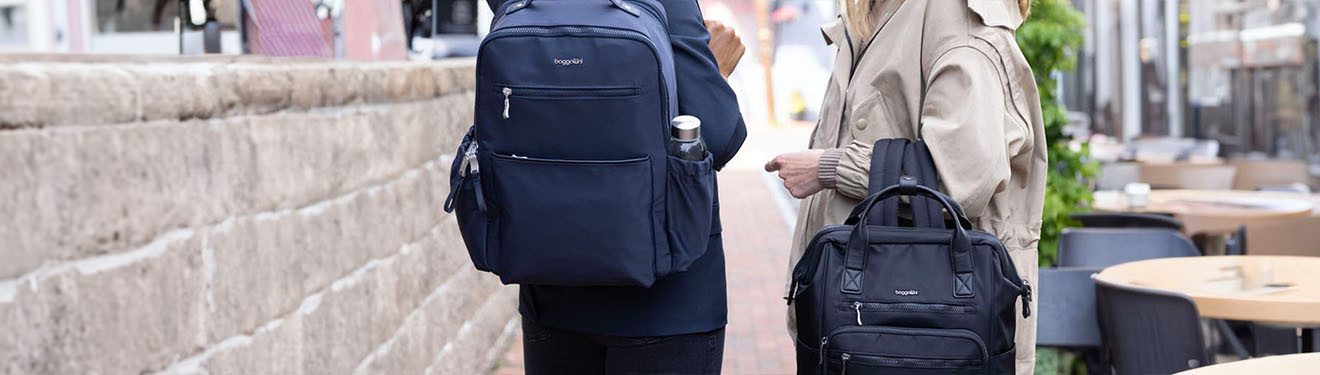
(570, 92)
(893, 360)
(889, 306)
(525, 159)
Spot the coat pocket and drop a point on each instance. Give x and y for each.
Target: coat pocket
(690, 207)
(574, 222)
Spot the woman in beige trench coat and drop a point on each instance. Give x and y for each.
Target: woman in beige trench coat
(946, 71)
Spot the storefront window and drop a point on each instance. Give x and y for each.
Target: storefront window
(13, 28)
(128, 16)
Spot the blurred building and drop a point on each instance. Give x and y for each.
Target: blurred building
(1239, 72)
(356, 29)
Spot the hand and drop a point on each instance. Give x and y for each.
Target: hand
(726, 46)
(798, 170)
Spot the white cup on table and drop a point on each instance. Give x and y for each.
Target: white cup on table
(1138, 194)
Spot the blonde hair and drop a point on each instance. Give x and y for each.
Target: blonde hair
(857, 13)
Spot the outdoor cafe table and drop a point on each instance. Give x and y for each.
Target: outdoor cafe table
(1305, 363)
(1213, 211)
(1228, 287)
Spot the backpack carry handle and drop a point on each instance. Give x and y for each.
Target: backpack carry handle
(621, 4)
(858, 243)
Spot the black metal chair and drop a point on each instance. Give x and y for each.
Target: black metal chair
(1148, 331)
(1104, 247)
(1126, 220)
(1066, 314)
(1067, 308)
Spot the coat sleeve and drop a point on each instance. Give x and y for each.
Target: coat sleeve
(702, 91)
(963, 124)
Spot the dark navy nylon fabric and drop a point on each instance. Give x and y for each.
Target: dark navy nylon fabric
(682, 303)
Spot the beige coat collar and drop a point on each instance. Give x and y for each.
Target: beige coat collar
(999, 13)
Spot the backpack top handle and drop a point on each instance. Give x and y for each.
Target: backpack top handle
(621, 4)
(960, 245)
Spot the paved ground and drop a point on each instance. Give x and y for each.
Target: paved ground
(756, 215)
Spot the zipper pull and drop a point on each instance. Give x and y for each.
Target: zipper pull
(844, 368)
(469, 165)
(823, 342)
(857, 306)
(507, 93)
(1026, 300)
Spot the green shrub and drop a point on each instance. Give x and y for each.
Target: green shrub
(1049, 39)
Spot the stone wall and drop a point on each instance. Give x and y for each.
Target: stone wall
(237, 216)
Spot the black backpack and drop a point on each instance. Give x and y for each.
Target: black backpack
(874, 297)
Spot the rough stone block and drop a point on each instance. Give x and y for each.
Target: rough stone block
(78, 192)
(473, 350)
(113, 315)
(427, 330)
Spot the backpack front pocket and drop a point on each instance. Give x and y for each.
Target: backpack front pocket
(867, 350)
(575, 222)
(572, 122)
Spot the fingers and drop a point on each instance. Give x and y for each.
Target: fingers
(774, 164)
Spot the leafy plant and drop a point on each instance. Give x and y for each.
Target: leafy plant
(1049, 39)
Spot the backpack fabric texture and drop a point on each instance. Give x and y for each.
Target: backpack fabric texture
(565, 178)
(874, 297)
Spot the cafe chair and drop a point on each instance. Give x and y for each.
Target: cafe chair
(1067, 313)
(1294, 237)
(1126, 220)
(1148, 331)
(1188, 176)
(1237, 243)
(1104, 247)
(1269, 174)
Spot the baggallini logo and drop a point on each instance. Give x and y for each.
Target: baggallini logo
(568, 62)
(906, 293)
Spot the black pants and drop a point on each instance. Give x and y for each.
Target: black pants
(553, 351)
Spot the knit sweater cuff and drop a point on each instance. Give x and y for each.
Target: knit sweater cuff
(827, 170)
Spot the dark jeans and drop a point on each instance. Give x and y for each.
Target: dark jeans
(553, 351)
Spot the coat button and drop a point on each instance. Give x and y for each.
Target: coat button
(861, 124)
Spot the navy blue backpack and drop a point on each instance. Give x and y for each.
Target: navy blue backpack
(875, 297)
(565, 179)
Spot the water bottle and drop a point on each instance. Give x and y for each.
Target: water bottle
(685, 138)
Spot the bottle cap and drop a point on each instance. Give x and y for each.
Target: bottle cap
(685, 128)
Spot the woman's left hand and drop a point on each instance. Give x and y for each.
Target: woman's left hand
(799, 172)
(726, 45)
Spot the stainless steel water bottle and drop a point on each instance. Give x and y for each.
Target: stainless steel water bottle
(685, 138)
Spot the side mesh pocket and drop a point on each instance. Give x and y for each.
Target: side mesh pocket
(690, 206)
(468, 202)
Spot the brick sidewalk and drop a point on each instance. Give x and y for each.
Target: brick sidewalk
(756, 242)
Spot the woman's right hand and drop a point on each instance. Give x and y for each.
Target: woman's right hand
(799, 170)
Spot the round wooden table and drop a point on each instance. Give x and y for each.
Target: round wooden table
(1235, 287)
(1213, 211)
(1305, 363)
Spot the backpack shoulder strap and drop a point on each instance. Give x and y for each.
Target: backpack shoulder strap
(886, 168)
(918, 164)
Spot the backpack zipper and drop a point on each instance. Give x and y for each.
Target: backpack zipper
(508, 92)
(857, 306)
(844, 358)
(824, 341)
